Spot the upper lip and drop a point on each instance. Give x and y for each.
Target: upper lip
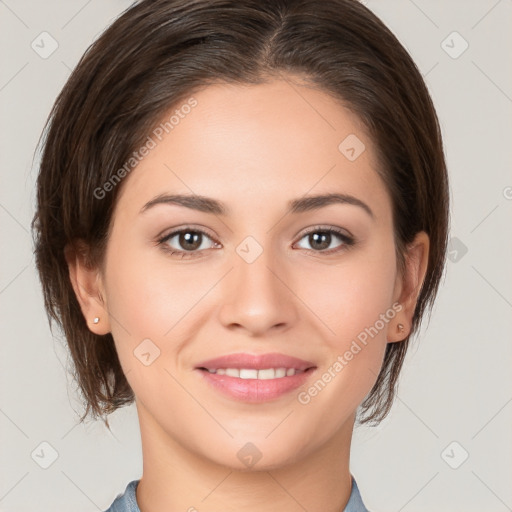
(257, 362)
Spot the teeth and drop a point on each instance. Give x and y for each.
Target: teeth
(244, 374)
(251, 373)
(266, 374)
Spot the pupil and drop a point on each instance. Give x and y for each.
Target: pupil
(321, 241)
(189, 240)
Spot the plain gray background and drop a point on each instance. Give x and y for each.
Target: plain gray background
(446, 445)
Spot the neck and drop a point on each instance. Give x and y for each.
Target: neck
(176, 478)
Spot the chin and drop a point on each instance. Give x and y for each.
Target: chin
(253, 456)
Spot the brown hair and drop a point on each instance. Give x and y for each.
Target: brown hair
(160, 51)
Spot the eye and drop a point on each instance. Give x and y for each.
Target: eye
(320, 240)
(187, 241)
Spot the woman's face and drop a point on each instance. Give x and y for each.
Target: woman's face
(264, 278)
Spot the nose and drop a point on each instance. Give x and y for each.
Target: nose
(258, 297)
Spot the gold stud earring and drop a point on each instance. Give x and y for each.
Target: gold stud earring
(96, 320)
(400, 327)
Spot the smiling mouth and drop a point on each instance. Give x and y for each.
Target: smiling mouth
(256, 374)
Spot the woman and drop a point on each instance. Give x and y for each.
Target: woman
(242, 219)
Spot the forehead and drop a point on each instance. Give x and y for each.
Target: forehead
(256, 142)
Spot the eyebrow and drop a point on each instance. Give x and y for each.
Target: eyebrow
(210, 205)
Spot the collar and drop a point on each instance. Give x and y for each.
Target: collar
(127, 502)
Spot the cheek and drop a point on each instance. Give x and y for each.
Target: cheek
(151, 303)
(136, 293)
(153, 297)
(351, 296)
(353, 302)
(358, 309)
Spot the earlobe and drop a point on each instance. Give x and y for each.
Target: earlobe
(397, 332)
(87, 285)
(409, 286)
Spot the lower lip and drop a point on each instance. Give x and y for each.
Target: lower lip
(255, 390)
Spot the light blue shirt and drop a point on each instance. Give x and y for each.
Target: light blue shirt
(127, 502)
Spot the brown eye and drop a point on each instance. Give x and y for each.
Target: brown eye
(190, 240)
(320, 240)
(187, 242)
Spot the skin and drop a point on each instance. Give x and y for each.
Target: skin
(254, 148)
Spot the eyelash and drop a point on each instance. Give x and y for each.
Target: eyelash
(347, 240)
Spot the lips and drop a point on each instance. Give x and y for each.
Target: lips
(255, 378)
(256, 362)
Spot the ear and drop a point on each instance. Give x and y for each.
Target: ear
(408, 286)
(88, 286)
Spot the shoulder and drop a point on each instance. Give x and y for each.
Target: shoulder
(127, 501)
